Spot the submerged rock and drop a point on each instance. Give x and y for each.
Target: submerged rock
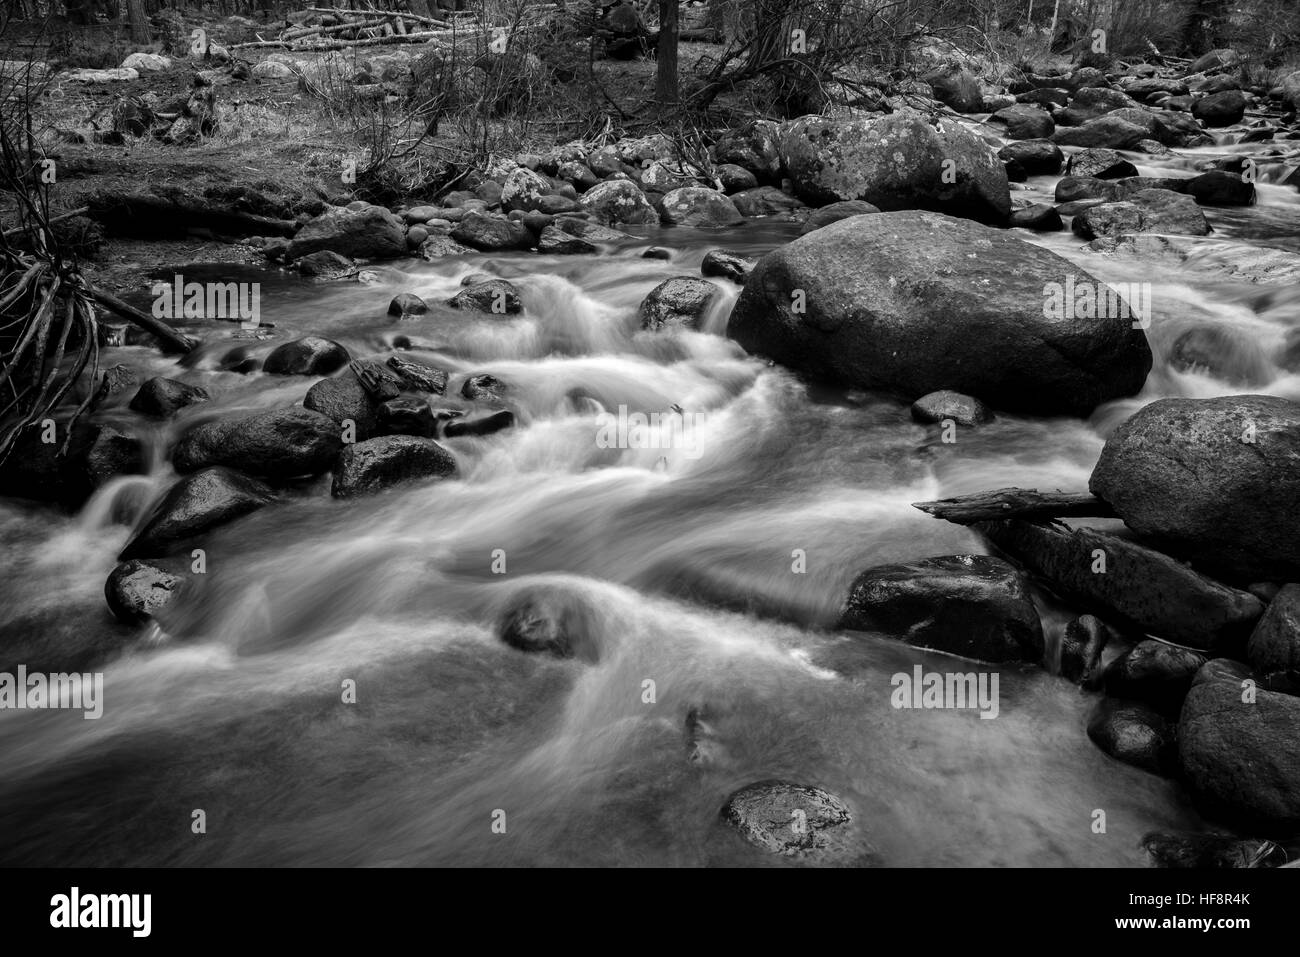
(407, 304)
(162, 398)
(789, 819)
(1180, 849)
(495, 296)
(559, 621)
(1081, 647)
(975, 606)
(136, 590)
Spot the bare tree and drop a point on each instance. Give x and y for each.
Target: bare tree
(666, 52)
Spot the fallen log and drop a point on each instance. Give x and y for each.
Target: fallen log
(1016, 503)
(175, 213)
(15, 230)
(173, 340)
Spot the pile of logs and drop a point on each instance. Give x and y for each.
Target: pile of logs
(340, 29)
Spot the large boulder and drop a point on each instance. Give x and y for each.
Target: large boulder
(975, 606)
(620, 202)
(193, 506)
(489, 233)
(345, 400)
(699, 206)
(753, 147)
(1240, 750)
(679, 302)
(1111, 132)
(1220, 109)
(280, 443)
(766, 201)
(958, 88)
(377, 464)
(524, 190)
(1127, 584)
(371, 232)
(1146, 211)
(1033, 157)
(908, 302)
(1215, 480)
(902, 160)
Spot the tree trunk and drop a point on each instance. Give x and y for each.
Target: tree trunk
(140, 32)
(666, 51)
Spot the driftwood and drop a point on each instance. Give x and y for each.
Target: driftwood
(1016, 503)
(173, 340)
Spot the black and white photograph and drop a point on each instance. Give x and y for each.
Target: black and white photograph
(745, 434)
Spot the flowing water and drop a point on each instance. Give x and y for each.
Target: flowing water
(232, 702)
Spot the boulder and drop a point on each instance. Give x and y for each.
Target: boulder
(1240, 751)
(1218, 188)
(558, 621)
(1025, 122)
(834, 213)
(1041, 218)
(733, 178)
(310, 355)
(1274, 646)
(765, 201)
(958, 88)
(495, 296)
(554, 241)
(1220, 109)
(279, 443)
(192, 507)
(1193, 850)
(1100, 164)
(699, 206)
(896, 161)
(870, 302)
(725, 264)
(524, 190)
(1105, 131)
(381, 463)
(483, 387)
(1035, 157)
(406, 304)
(946, 404)
(1082, 643)
(481, 231)
(1155, 673)
(1146, 211)
(754, 147)
(1128, 584)
(343, 399)
(975, 606)
(679, 302)
(370, 232)
(1180, 470)
(485, 425)
(618, 202)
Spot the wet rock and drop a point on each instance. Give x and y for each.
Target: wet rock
(194, 506)
(556, 242)
(1182, 849)
(557, 621)
(1131, 732)
(1154, 673)
(438, 247)
(789, 819)
(1025, 122)
(136, 590)
(658, 252)
(1041, 218)
(496, 296)
(486, 425)
(39, 470)
(112, 453)
(593, 233)
(679, 302)
(1181, 470)
(370, 232)
(407, 415)
(1139, 588)
(483, 386)
(1100, 164)
(1274, 646)
(699, 206)
(310, 355)
(1081, 647)
(946, 404)
(618, 202)
(1222, 352)
(766, 201)
(1070, 189)
(484, 232)
(725, 264)
(975, 606)
(1238, 749)
(114, 381)
(1218, 188)
(381, 463)
(1146, 211)
(418, 375)
(1220, 109)
(879, 296)
(834, 213)
(324, 264)
(280, 443)
(407, 304)
(1035, 157)
(896, 161)
(343, 399)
